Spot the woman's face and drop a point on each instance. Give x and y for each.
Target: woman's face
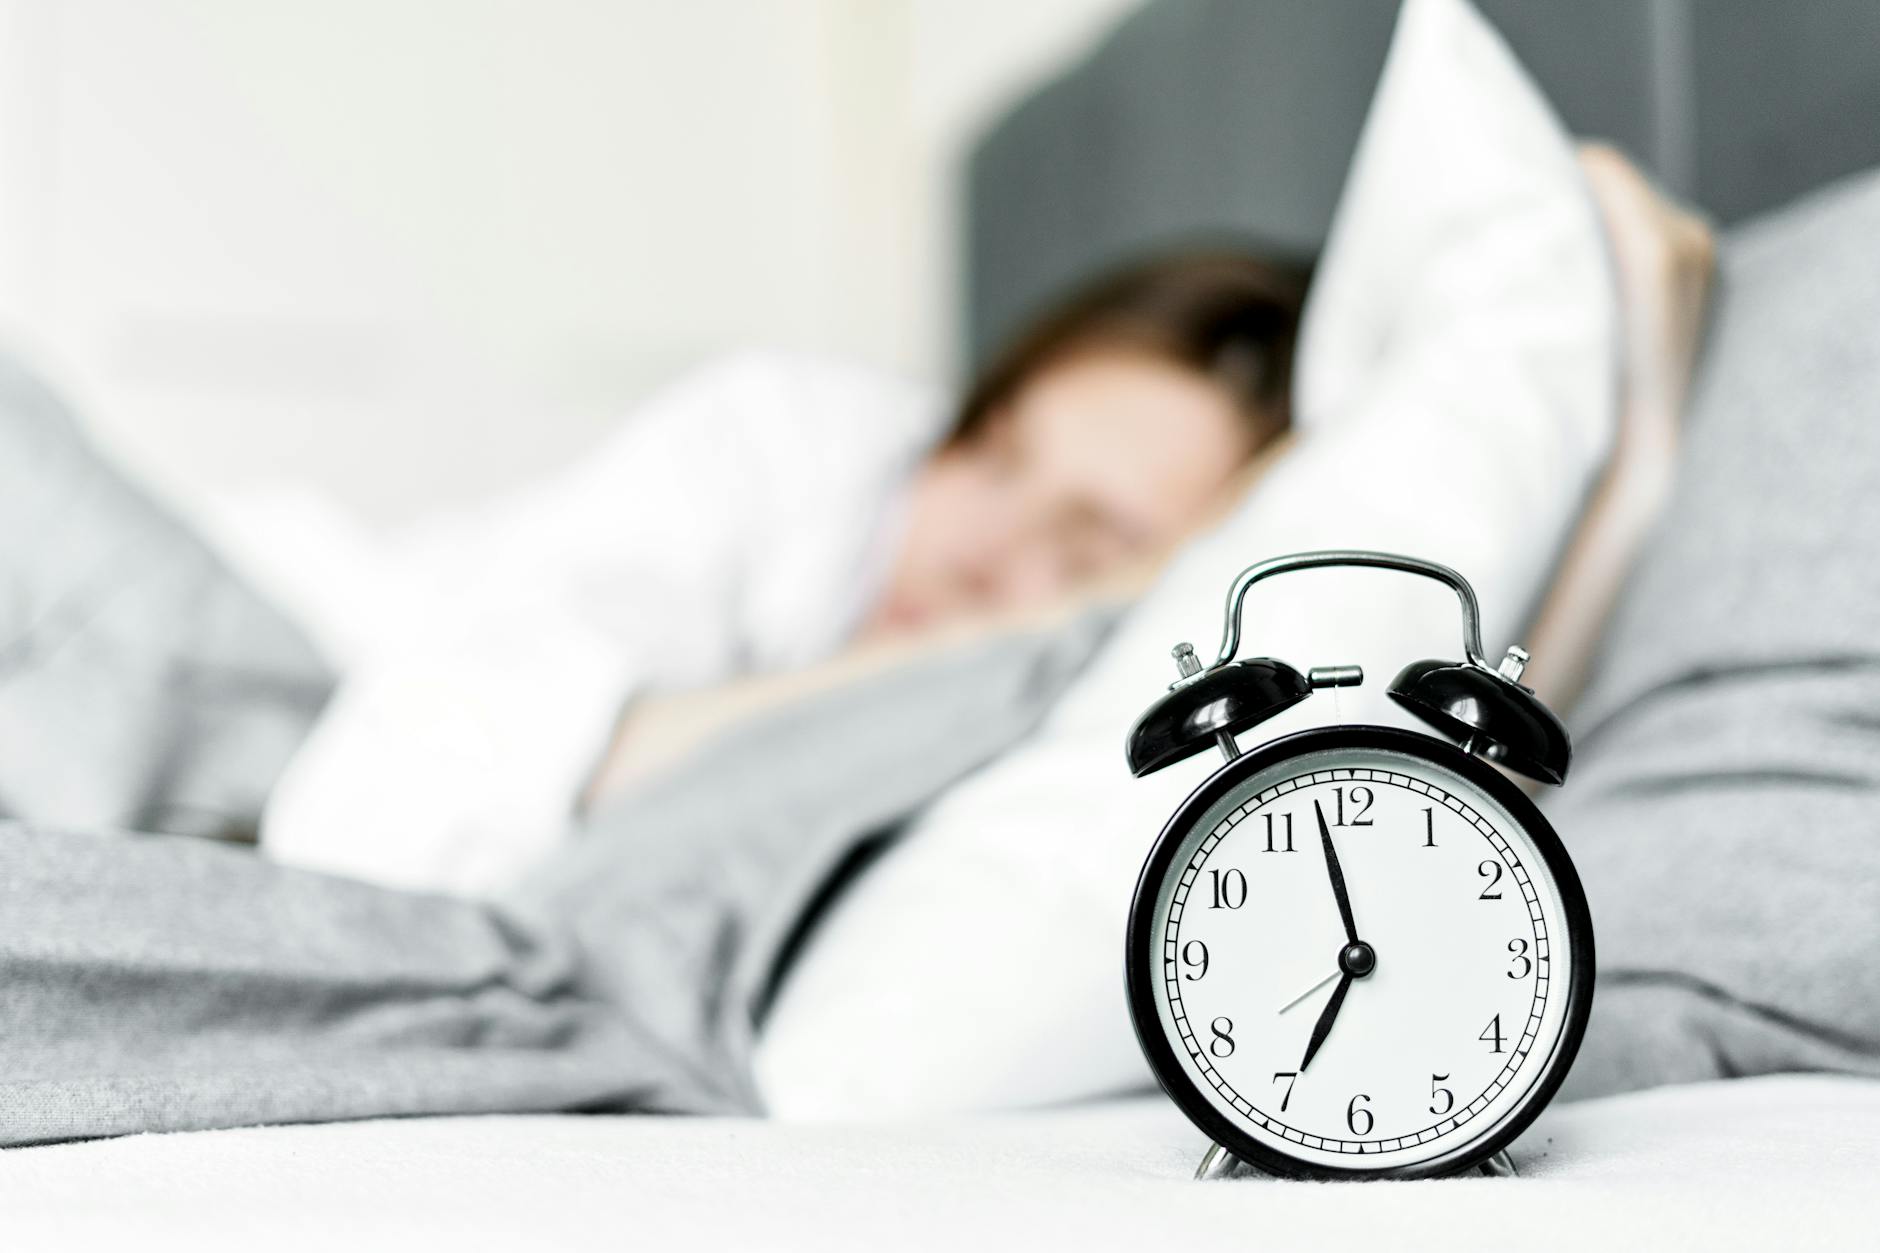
(1097, 462)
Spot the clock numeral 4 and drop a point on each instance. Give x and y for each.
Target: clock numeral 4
(1230, 889)
(1195, 954)
(1222, 1045)
(1524, 965)
(1490, 870)
(1444, 1095)
(1291, 1077)
(1270, 845)
(1492, 1036)
(1355, 1111)
(1362, 799)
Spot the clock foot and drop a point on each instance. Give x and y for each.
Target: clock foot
(1216, 1163)
(1501, 1166)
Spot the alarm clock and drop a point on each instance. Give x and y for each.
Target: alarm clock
(1358, 952)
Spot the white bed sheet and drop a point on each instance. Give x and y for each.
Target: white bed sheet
(1751, 1164)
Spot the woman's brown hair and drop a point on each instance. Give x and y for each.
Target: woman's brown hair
(1228, 315)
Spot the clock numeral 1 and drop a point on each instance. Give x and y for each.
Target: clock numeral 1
(1362, 799)
(1269, 835)
(1222, 1045)
(1444, 1095)
(1492, 1036)
(1354, 1111)
(1524, 965)
(1490, 870)
(1291, 1077)
(1195, 953)
(1230, 889)
(1429, 826)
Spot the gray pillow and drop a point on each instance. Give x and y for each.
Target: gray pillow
(142, 685)
(1725, 807)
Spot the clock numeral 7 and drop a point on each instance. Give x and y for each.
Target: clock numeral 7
(1291, 1077)
(1288, 835)
(1362, 799)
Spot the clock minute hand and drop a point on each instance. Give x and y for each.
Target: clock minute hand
(1338, 878)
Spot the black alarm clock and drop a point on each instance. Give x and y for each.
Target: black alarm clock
(1358, 952)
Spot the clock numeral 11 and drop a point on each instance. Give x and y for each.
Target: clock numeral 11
(1270, 847)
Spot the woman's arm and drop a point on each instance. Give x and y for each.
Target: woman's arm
(1664, 257)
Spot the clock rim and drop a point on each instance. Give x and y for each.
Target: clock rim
(1140, 976)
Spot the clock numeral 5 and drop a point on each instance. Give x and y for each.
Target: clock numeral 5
(1355, 1111)
(1195, 953)
(1444, 1095)
(1291, 1077)
(1362, 799)
(1288, 835)
(1230, 889)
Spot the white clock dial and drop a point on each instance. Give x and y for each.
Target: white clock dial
(1438, 1022)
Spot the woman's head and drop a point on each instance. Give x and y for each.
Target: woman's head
(1101, 436)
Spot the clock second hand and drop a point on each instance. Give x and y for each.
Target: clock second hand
(1309, 991)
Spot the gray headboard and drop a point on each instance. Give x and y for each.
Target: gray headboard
(1213, 118)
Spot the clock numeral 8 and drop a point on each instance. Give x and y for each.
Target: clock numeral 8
(1354, 1111)
(1222, 1045)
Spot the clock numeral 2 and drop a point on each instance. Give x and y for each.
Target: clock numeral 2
(1222, 1045)
(1189, 958)
(1490, 870)
(1362, 799)
(1444, 1095)
(1230, 889)
(1269, 835)
(1492, 1036)
(1354, 1111)
(1291, 1077)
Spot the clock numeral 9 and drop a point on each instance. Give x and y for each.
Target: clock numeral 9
(1444, 1095)
(1361, 799)
(1490, 870)
(1288, 835)
(1354, 1111)
(1195, 953)
(1492, 1036)
(1524, 964)
(1230, 889)
(1222, 1045)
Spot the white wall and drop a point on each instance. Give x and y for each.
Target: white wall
(406, 251)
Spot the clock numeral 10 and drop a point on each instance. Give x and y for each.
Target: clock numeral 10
(1270, 847)
(1355, 1111)
(1230, 889)
(1492, 1036)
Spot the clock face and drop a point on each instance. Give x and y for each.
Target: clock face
(1359, 951)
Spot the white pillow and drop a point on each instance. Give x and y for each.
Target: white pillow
(1455, 401)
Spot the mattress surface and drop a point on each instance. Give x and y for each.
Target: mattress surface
(1747, 1164)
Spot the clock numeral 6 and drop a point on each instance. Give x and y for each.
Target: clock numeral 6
(1291, 1077)
(1230, 889)
(1490, 870)
(1444, 1095)
(1222, 1045)
(1524, 965)
(1355, 1111)
(1195, 953)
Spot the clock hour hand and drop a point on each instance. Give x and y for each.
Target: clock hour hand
(1338, 876)
(1327, 1016)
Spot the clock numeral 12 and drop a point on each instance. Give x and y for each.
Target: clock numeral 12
(1363, 798)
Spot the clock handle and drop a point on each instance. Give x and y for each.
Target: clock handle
(1244, 581)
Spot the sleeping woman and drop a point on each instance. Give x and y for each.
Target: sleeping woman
(777, 523)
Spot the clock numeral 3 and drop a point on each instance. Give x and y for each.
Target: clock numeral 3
(1492, 1036)
(1444, 1095)
(1490, 870)
(1361, 801)
(1230, 889)
(1355, 1111)
(1288, 835)
(1291, 1077)
(1195, 953)
(1523, 963)
(1222, 1045)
